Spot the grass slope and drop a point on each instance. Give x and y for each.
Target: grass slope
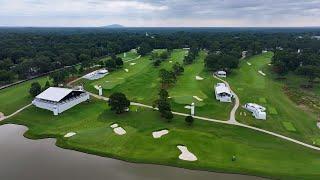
(213, 144)
(251, 86)
(15, 97)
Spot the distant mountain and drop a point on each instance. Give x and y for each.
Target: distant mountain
(114, 26)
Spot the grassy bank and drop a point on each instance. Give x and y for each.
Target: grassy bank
(213, 144)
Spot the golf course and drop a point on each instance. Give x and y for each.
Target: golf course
(219, 147)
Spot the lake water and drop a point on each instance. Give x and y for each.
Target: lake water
(22, 158)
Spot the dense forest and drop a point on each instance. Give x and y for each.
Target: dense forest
(26, 53)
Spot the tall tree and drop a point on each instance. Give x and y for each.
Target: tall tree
(35, 89)
(118, 102)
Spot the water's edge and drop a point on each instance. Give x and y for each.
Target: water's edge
(150, 170)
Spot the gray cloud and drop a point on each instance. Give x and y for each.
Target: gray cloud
(160, 12)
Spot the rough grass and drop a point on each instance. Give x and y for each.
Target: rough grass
(213, 144)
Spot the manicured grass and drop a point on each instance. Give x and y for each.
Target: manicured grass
(15, 97)
(272, 110)
(129, 55)
(187, 86)
(141, 84)
(267, 91)
(289, 126)
(213, 144)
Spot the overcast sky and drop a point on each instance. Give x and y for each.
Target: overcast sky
(168, 13)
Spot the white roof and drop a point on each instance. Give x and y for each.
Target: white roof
(222, 88)
(54, 94)
(256, 106)
(221, 72)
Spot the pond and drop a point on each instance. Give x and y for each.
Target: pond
(22, 158)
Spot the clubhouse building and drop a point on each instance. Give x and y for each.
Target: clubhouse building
(223, 93)
(59, 100)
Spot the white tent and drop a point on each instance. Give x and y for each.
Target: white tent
(257, 111)
(59, 100)
(223, 93)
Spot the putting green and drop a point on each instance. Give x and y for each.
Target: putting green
(272, 110)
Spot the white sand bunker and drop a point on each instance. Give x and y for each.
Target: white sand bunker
(132, 64)
(114, 126)
(262, 73)
(318, 124)
(126, 70)
(118, 130)
(249, 63)
(270, 64)
(199, 78)
(186, 155)
(170, 61)
(70, 134)
(158, 134)
(197, 98)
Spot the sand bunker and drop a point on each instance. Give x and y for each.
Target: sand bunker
(114, 125)
(186, 155)
(170, 61)
(318, 124)
(70, 134)
(197, 98)
(126, 70)
(262, 73)
(132, 64)
(249, 63)
(120, 131)
(158, 134)
(199, 78)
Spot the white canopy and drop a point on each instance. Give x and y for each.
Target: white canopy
(222, 88)
(54, 94)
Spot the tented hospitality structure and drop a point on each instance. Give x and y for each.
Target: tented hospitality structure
(59, 100)
(257, 111)
(223, 93)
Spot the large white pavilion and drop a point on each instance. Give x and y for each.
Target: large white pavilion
(59, 100)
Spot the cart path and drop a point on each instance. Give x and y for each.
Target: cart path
(232, 118)
(18, 111)
(231, 121)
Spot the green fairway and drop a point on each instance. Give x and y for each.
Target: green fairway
(188, 86)
(289, 126)
(268, 92)
(213, 144)
(15, 97)
(128, 56)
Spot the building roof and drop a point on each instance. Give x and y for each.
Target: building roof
(222, 88)
(54, 94)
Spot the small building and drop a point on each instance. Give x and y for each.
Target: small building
(98, 74)
(59, 100)
(257, 111)
(244, 54)
(223, 93)
(221, 74)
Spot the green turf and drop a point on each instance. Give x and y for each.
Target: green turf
(272, 110)
(289, 126)
(15, 97)
(213, 144)
(262, 100)
(266, 87)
